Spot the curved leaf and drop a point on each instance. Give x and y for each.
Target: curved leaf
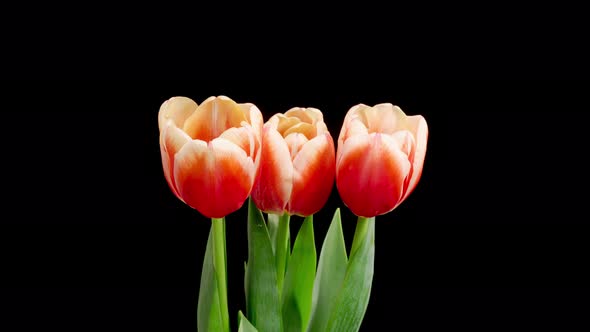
(298, 288)
(351, 303)
(244, 324)
(208, 309)
(330, 273)
(262, 297)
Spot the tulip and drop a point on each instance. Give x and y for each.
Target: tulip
(380, 158)
(210, 153)
(297, 167)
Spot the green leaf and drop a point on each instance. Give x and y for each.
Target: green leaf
(351, 303)
(209, 316)
(283, 250)
(244, 324)
(273, 229)
(288, 252)
(262, 297)
(298, 288)
(330, 274)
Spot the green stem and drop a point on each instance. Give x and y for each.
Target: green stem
(362, 225)
(281, 257)
(219, 262)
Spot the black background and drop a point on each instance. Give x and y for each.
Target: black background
(494, 236)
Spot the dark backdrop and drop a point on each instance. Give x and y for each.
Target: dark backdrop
(494, 236)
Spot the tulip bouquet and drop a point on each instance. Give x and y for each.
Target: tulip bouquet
(217, 154)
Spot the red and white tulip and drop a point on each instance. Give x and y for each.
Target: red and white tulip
(210, 152)
(380, 158)
(297, 165)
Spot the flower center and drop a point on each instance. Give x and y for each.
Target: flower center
(213, 117)
(296, 123)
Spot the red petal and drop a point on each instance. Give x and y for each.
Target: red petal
(214, 179)
(313, 179)
(370, 174)
(274, 181)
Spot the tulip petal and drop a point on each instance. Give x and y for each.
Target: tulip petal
(253, 115)
(370, 174)
(356, 127)
(242, 137)
(321, 128)
(168, 166)
(274, 181)
(405, 142)
(172, 140)
(352, 118)
(306, 129)
(313, 176)
(418, 127)
(215, 178)
(283, 123)
(316, 114)
(301, 114)
(295, 142)
(176, 109)
(214, 116)
(383, 118)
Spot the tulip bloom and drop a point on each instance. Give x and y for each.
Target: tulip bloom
(380, 158)
(297, 168)
(210, 152)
